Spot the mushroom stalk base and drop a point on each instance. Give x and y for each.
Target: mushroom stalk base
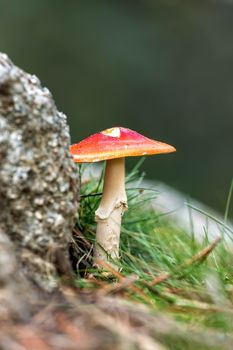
(108, 216)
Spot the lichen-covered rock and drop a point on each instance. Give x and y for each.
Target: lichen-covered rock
(38, 188)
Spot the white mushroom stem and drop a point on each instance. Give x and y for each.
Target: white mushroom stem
(112, 206)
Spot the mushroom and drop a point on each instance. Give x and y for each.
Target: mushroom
(113, 145)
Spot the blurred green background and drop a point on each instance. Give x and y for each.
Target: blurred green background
(163, 68)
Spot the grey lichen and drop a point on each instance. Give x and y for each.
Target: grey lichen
(38, 187)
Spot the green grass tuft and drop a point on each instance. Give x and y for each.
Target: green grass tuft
(198, 286)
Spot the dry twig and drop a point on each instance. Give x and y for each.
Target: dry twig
(200, 256)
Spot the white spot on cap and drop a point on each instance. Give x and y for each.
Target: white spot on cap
(75, 156)
(113, 132)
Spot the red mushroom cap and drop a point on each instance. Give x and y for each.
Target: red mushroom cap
(116, 142)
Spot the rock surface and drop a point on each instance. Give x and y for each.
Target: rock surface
(11, 284)
(38, 187)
